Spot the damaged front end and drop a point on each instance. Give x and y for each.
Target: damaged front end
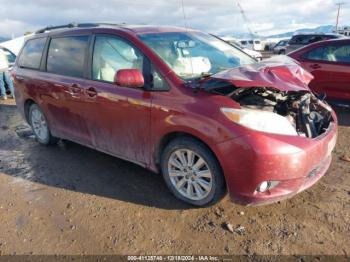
(307, 114)
(276, 95)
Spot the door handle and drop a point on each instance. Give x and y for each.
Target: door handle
(315, 66)
(75, 88)
(91, 92)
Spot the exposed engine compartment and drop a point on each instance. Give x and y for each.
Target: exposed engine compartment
(309, 115)
(305, 111)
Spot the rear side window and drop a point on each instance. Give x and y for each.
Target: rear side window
(66, 55)
(301, 39)
(32, 53)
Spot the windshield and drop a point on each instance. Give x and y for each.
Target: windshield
(195, 54)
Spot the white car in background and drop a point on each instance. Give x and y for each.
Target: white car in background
(253, 44)
(11, 57)
(252, 53)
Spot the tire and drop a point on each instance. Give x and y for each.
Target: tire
(39, 125)
(202, 185)
(282, 52)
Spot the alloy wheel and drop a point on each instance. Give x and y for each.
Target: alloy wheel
(190, 174)
(39, 124)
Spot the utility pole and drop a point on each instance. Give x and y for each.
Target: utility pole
(340, 4)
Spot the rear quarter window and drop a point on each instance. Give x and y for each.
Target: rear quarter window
(32, 53)
(66, 55)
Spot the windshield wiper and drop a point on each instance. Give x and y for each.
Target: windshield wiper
(203, 75)
(194, 83)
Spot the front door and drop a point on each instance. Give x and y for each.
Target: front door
(120, 124)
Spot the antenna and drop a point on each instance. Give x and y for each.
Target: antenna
(186, 27)
(184, 14)
(340, 4)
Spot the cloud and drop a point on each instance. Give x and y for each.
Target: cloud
(223, 16)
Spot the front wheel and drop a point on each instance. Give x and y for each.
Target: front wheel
(39, 126)
(192, 173)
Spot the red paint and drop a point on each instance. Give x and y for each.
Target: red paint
(131, 122)
(330, 78)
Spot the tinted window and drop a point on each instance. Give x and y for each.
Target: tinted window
(304, 39)
(335, 53)
(315, 39)
(112, 54)
(32, 52)
(281, 43)
(67, 55)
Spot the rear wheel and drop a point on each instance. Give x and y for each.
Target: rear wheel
(39, 126)
(192, 172)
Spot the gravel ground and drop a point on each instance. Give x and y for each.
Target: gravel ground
(68, 199)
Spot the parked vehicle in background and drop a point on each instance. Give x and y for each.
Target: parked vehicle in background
(11, 57)
(257, 55)
(329, 63)
(253, 44)
(344, 31)
(14, 45)
(280, 47)
(301, 40)
(180, 102)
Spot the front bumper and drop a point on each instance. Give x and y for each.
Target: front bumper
(296, 162)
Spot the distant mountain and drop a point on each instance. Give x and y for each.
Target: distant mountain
(241, 35)
(320, 29)
(3, 39)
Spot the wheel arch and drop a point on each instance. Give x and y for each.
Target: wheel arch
(167, 138)
(27, 105)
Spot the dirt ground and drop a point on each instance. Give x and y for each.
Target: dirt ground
(69, 199)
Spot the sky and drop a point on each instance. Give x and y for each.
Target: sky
(266, 17)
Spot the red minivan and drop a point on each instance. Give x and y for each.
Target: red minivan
(180, 102)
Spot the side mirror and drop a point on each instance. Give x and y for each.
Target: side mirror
(129, 78)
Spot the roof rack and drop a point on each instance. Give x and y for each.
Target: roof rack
(74, 25)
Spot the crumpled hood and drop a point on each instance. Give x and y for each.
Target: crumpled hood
(279, 72)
